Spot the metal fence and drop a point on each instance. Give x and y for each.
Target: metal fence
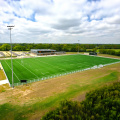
(62, 74)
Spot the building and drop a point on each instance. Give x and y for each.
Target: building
(45, 52)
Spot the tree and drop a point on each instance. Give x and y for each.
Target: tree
(19, 48)
(5, 47)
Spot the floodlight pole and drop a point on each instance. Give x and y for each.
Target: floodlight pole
(78, 46)
(10, 28)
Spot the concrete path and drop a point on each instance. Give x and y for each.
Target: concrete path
(4, 82)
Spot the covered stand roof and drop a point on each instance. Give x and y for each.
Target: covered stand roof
(35, 50)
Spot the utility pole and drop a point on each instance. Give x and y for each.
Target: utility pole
(10, 28)
(78, 46)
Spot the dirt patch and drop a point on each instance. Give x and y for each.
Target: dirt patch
(2, 75)
(111, 56)
(4, 87)
(80, 97)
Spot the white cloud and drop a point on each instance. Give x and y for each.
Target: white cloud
(113, 20)
(63, 21)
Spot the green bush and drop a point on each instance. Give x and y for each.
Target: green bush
(110, 52)
(100, 104)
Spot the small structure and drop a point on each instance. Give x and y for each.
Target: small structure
(86, 53)
(92, 53)
(45, 52)
(23, 81)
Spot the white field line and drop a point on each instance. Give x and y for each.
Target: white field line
(35, 56)
(6, 77)
(75, 71)
(93, 67)
(1, 66)
(28, 70)
(42, 73)
(51, 65)
(6, 80)
(13, 71)
(58, 56)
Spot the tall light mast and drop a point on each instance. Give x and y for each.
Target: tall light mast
(10, 28)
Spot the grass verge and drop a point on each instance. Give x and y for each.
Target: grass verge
(38, 109)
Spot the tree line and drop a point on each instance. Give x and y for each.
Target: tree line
(100, 104)
(58, 47)
(110, 52)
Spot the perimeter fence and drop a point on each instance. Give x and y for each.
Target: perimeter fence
(62, 74)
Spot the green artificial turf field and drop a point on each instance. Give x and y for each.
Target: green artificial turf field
(43, 67)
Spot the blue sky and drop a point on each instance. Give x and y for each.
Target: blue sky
(60, 21)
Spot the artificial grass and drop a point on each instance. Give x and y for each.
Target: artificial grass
(39, 67)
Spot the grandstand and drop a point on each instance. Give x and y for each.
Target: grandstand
(2, 54)
(15, 54)
(45, 52)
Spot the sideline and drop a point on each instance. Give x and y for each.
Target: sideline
(6, 80)
(11, 70)
(33, 56)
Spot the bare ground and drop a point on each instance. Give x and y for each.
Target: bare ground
(2, 75)
(111, 56)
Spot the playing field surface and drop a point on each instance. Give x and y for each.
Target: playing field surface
(41, 67)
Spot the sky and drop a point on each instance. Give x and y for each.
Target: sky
(60, 21)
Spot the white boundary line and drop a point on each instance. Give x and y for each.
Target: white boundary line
(28, 69)
(13, 71)
(51, 65)
(6, 80)
(75, 71)
(94, 67)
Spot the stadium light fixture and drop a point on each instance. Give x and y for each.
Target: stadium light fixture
(78, 46)
(10, 28)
